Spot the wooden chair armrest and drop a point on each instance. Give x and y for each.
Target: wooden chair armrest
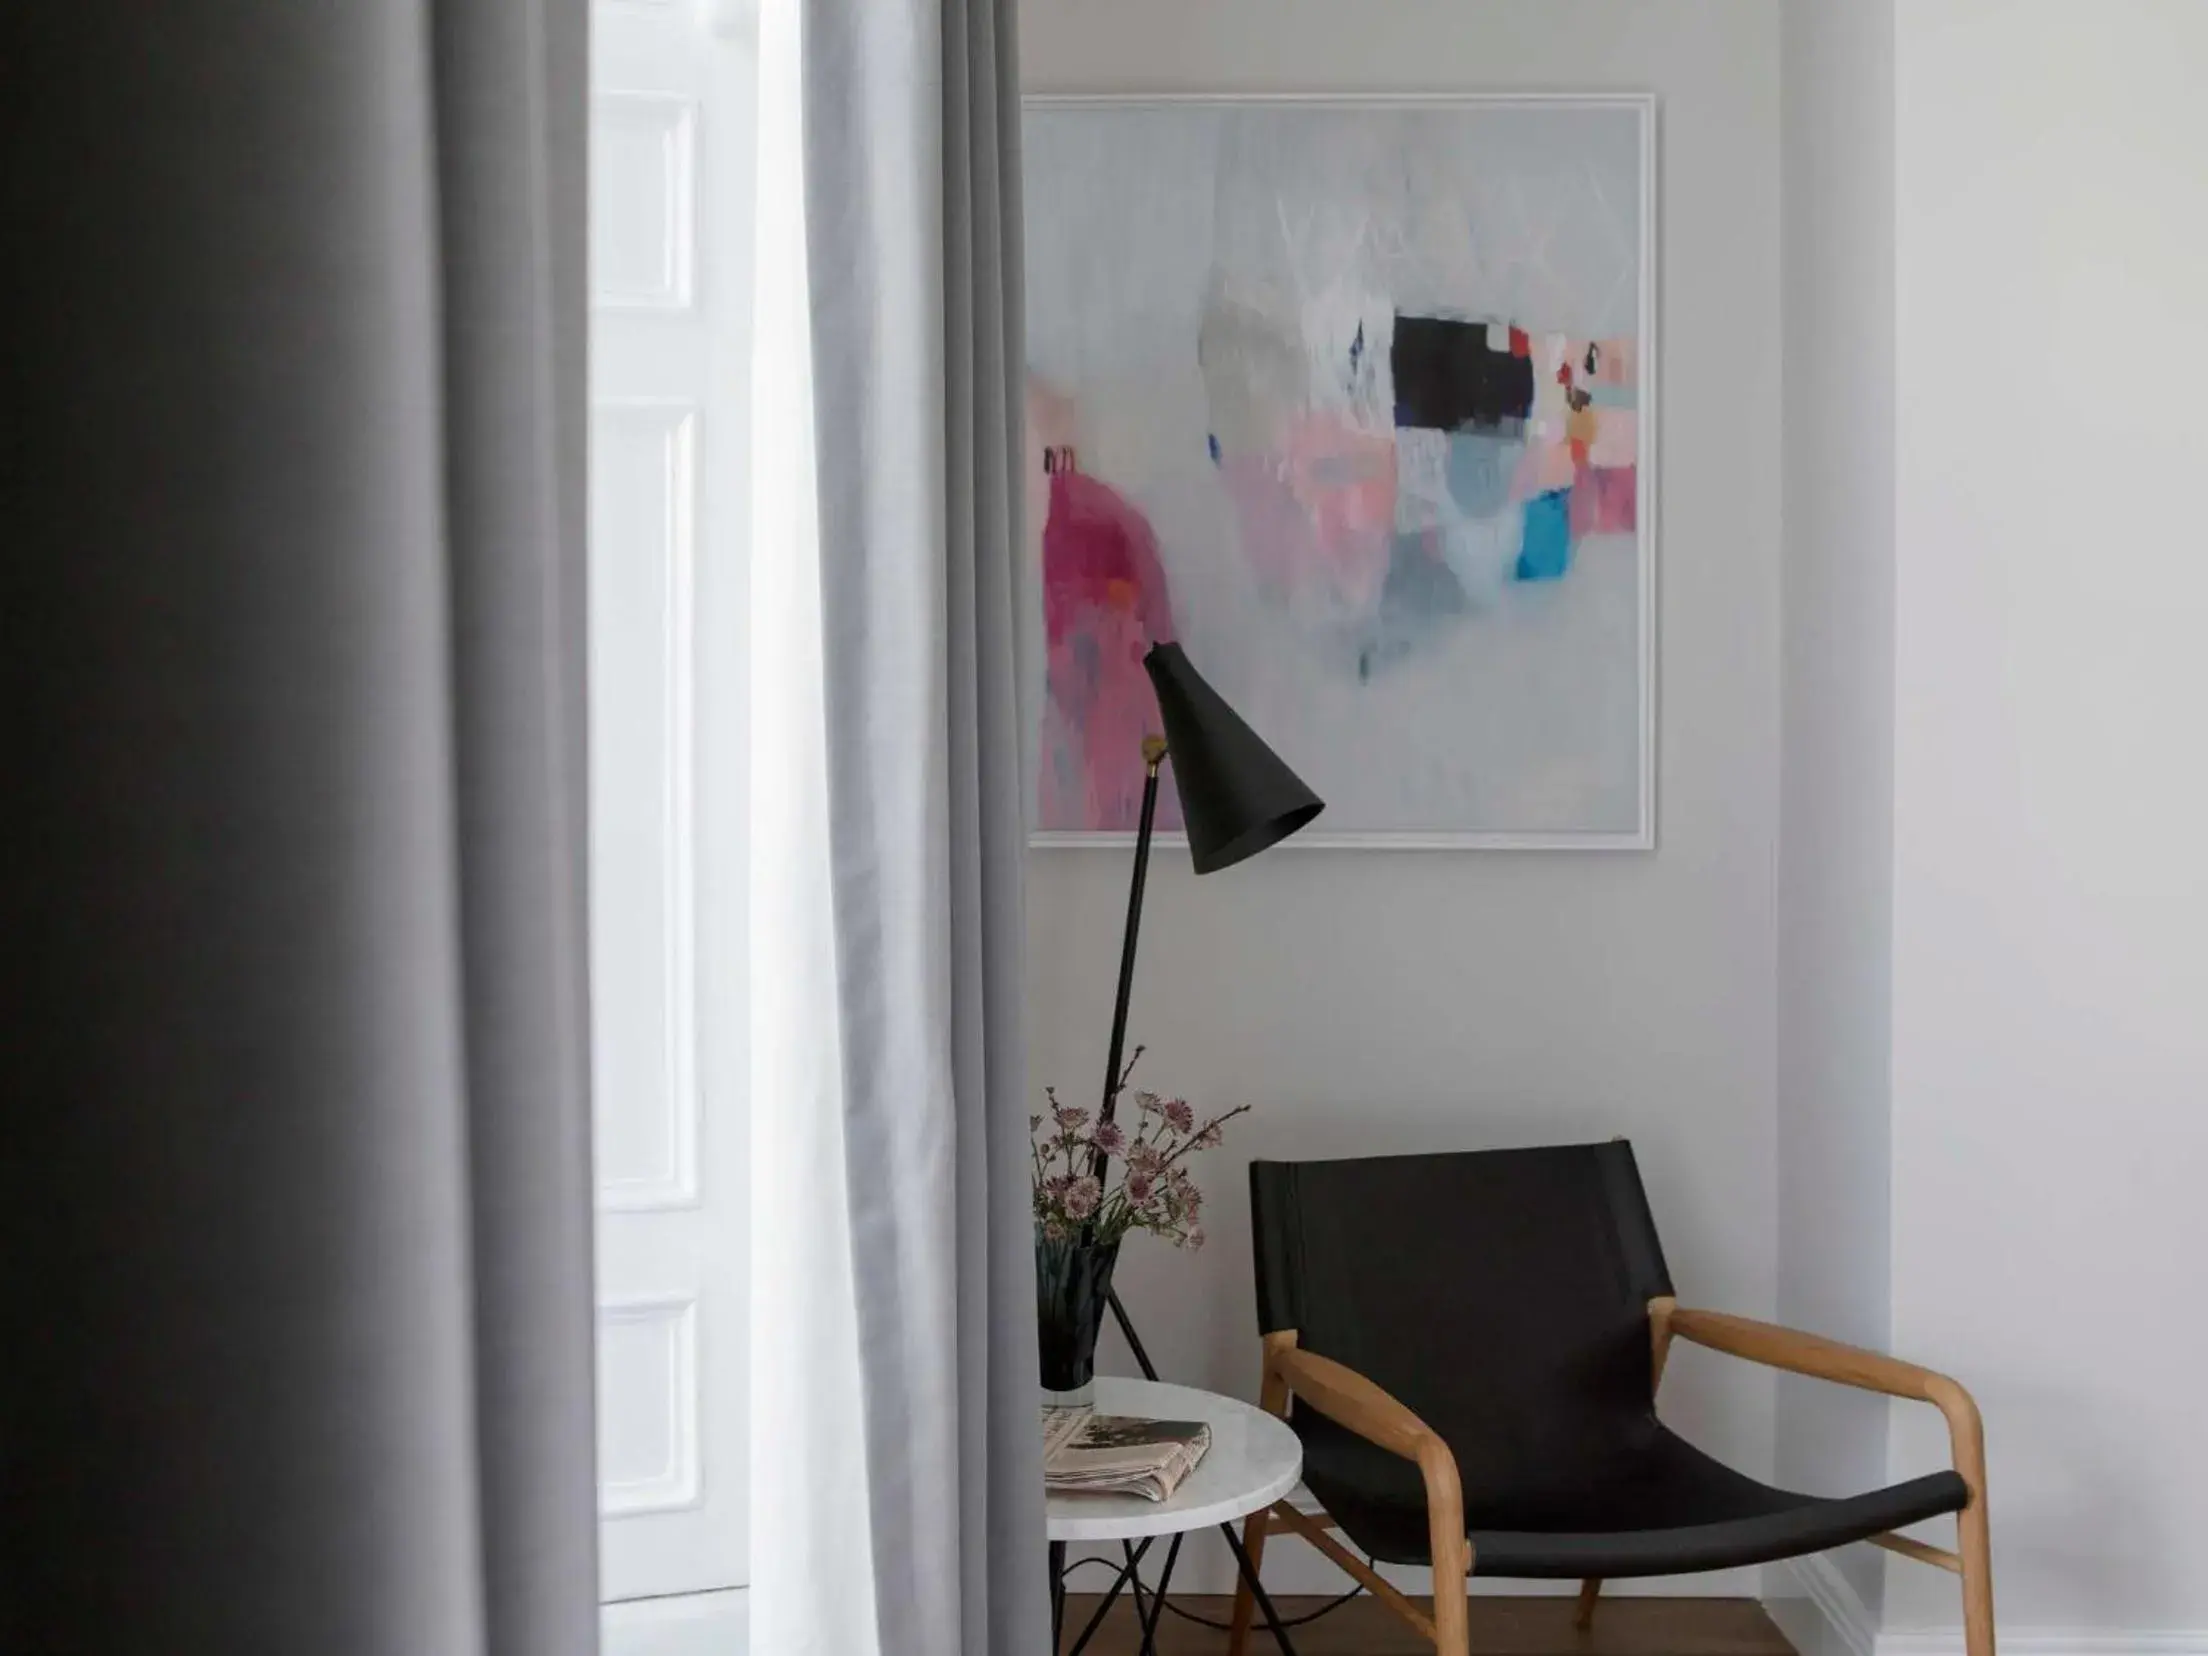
(1348, 1398)
(1823, 1359)
(1799, 1353)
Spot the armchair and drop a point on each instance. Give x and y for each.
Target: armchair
(1470, 1346)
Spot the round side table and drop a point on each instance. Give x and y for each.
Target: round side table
(1254, 1460)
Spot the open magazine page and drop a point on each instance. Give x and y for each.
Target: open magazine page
(1085, 1452)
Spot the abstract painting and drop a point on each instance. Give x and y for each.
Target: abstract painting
(1353, 399)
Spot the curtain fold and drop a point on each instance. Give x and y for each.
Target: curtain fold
(294, 1162)
(897, 1480)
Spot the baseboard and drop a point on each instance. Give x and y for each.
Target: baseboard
(2056, 1641)
(689, 1624)
(1823, 1615)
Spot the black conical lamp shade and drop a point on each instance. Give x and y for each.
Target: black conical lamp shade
(1237, 797)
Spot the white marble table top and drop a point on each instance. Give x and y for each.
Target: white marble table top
(1253, 1461)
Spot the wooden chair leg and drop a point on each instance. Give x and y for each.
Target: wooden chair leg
(1966, 1431)
(1245, 1606)
(1589, 1590)
(1977, 1553)
(1452, 1612)
(1452, 1556)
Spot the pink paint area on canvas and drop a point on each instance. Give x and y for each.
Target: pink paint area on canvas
(1617, 362)
(1099, 554)
(1104, 604)
(1345, 477)
(1617, 439)
(1316, 522)
(1605, 500)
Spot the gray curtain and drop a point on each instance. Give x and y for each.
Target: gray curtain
(897, 1478)
(294, 1159)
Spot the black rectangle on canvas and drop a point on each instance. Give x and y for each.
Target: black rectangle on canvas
(1447, 376)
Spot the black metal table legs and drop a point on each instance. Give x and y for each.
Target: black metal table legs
(1127, 1576)
(1264, 1599)
(1156, 1612)
(1150, 1603)
(1057, 1595)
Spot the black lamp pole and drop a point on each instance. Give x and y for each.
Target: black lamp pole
(1237, 798)
(1153, 752)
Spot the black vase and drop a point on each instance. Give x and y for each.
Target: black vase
(1071, 1280)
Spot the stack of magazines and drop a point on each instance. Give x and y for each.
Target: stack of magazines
(1088, 1453)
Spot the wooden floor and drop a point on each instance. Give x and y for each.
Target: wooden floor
(1500, 1627)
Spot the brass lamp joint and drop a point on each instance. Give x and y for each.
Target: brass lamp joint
(1153, 752)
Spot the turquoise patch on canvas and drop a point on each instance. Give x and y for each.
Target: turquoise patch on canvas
(1546, 551)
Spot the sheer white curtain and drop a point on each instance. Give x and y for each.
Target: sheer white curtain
(896, 1479)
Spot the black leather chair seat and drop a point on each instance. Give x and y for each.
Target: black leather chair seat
(1649, 1504)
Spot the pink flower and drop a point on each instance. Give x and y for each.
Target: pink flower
(1081, 1198)
(1070, 1117)
(1178, 1115)
(1211, 1137)
(1139, 1187)
(1195, 1238)
(1149, 1103)
(1145, 1158)
(1109, 1137)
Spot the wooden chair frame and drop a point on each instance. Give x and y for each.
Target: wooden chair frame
(1351, 1400)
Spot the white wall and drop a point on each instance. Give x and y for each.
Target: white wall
(2050, 1031)
(1373, 1002)
(1836, 767)
(1979, 978)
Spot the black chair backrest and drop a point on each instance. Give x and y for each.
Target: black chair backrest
(1502, 1295)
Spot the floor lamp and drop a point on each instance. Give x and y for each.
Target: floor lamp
(1237, 799)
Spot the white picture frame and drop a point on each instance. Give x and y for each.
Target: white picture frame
(1642, 834)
